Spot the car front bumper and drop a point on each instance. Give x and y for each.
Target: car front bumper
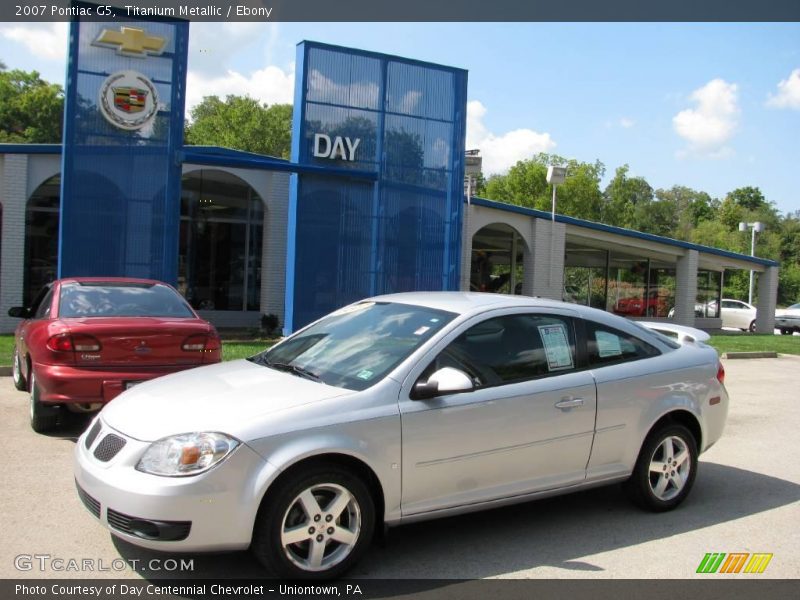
(212, 511)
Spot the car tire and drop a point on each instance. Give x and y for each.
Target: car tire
(752, 327)
(318, 552)
(43, 417)
(665, 470)
(16, 372)
(785, 331)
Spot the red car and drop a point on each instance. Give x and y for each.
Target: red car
(87, 339)
(656, 306)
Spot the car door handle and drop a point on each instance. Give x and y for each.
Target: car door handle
(569, 402)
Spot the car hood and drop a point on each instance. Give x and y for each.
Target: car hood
(230, 397)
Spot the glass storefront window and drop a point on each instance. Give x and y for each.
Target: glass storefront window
(585, 272)
(709, 292)
(41, 237)
(219, 263)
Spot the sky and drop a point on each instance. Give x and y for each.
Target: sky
(712, 106)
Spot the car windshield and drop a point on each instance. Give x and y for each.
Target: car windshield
(121, 300)
(355, 347)
(794, 307)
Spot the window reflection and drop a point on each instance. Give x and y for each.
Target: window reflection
(219, 262)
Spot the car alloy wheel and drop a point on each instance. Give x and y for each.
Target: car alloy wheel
(315, 524)
(752, 327)
(321, 527)
(665, 470)
(670, 466)
(16, 372)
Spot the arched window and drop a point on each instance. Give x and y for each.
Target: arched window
(497, 260)
(41, 237)
(219, 264)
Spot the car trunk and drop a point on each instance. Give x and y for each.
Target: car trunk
(138, 342)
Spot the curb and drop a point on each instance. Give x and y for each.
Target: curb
(751, 355)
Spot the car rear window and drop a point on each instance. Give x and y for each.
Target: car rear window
(121, 300)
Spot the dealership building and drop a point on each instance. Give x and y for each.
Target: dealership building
(372, 200)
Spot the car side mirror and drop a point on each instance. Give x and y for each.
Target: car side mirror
(19, 312)
(446, 380)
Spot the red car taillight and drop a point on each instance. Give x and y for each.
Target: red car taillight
(721, 374)
(200, 343)
(65, 342)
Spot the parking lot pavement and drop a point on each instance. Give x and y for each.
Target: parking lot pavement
(745, 499)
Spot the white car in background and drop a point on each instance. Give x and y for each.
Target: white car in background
(736, 313)
(788, 319)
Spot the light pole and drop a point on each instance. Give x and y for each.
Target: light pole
(555, 177)
(756, 227)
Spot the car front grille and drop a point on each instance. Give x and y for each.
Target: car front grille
(92, 505)
(108, 447)
(93, 434)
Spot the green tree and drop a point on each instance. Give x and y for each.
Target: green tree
(749, 198)
(626, 200)
(31, 109)
(241, 123)
(525, 184)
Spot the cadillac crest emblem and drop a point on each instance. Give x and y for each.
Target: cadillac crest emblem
(128, 100)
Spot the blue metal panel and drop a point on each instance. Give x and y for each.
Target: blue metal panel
(120, 194)
(349, 238)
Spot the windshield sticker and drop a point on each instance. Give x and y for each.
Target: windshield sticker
(607, 344)
(421, 330)
(366, 375)
(556, 346)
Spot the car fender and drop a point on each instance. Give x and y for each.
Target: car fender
(380, 452)
(670, 403)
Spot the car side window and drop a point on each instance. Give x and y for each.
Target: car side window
(510, 348)
(43, 308)
(606, 345)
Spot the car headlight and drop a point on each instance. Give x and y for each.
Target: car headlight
(186, 454)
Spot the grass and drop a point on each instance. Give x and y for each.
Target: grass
(748, 342)
(234, 350)
(6, 350)
(745, 342)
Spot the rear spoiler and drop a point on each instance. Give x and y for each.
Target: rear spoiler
(685, 334)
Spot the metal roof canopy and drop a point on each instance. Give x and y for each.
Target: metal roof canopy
(714, 258)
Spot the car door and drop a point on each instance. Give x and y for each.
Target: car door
(735, 314)
(527, 426)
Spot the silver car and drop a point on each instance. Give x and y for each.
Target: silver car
(397, 409)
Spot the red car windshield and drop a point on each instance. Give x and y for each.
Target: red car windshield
(121, 300)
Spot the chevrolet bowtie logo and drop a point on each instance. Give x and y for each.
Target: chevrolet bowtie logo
(131, 41)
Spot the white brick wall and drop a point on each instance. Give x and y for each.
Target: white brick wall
(686, 288)
(767, 298)
(13, 197)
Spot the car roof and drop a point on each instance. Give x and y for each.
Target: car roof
(469, 302)
(110, 280)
